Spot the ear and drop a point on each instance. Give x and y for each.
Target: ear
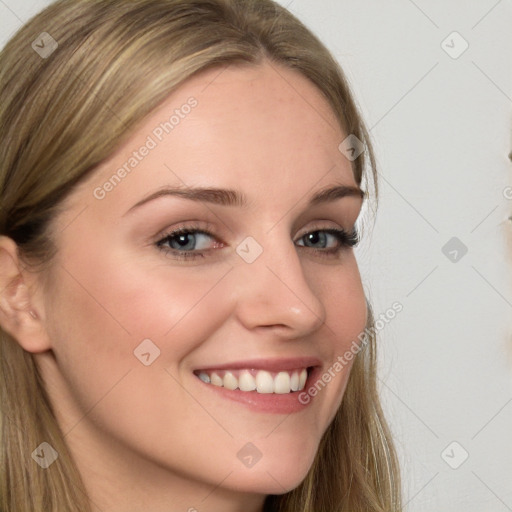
(20, 314)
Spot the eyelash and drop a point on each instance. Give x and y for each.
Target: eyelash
(345, 240)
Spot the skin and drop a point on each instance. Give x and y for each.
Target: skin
(151, 437)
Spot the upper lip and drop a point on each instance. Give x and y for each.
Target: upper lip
(273, 365)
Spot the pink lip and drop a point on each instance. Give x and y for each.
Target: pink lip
(271, 365)
(268, 403)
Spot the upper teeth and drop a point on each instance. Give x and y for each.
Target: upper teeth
(260, 381)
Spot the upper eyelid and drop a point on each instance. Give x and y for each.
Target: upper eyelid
(191, 229)
(209, 230)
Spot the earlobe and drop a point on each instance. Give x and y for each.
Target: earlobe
(18, 311)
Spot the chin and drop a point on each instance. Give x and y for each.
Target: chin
(278, 474)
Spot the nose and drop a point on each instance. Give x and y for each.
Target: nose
(273, 291)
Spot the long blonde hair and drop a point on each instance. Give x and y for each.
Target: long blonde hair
(62, 114)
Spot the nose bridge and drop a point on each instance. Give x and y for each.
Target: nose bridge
(273, 289)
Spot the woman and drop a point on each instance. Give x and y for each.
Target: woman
(177, 320)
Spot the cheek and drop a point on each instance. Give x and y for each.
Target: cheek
(122, 300)
(105, 303)
(344, 300)
(102, 309)
(342, 294)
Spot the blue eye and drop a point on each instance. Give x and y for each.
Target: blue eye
(322, 237)
(182, 243)
(190, 243)
(186, 240)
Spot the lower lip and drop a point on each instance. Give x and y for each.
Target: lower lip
(275, 403)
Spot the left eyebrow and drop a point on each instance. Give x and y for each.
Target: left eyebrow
(230, 197)
(331, 194)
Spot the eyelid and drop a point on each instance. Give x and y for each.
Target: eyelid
(193, 225)
(208, 228)
(323, 225)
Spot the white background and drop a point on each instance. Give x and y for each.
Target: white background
(442, 132)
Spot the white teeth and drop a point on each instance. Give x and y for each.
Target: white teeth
(246, 381)
(230, 381)
(282, 383)
(263, 382)
(294, 382)
(302, 379)
(216, 380)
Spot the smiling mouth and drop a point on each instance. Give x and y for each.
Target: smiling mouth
(259, 381)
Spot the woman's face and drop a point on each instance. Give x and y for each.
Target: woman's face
(138, 318)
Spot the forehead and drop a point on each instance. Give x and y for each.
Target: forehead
(263, 129)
